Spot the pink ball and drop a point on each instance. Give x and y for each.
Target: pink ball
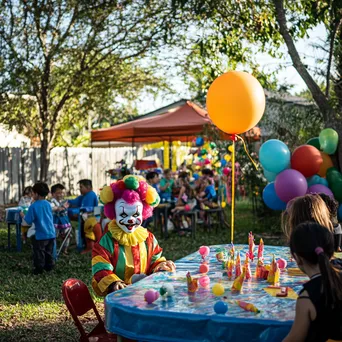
(204, 251)
(187, 207)
(204, 281)
(204, 268)
(207, 162)
(226, 171)
(281, 263)
(151, 296)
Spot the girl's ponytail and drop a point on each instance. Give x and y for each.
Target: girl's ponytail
(331, 278)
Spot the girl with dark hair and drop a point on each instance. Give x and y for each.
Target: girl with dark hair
(319, 305)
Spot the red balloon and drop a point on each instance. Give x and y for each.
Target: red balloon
(307, 160)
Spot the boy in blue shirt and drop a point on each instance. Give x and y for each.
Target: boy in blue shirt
(43, 241)
(87, 198)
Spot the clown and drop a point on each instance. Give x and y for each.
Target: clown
(127, 251)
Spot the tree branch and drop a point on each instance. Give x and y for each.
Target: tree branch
(317, 94)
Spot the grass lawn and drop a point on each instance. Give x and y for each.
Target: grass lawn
(31, 307)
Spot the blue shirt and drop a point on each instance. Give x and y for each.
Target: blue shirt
(40, 213)
(210, 192)
(87, 200)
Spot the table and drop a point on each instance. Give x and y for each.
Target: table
(186, 317)
(13, 218)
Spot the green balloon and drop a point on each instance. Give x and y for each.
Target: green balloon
(328, 140)
(337, 190)
(333, 175)
(314, 142)
(212, 145)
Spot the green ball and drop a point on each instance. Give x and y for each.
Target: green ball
(212, 145)
(131, 183)
(314, 142)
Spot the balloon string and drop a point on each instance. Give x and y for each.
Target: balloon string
(246, 150)
(233, 194)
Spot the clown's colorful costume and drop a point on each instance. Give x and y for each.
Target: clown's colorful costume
(127, 248)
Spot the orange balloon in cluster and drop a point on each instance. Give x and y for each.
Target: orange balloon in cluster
(235, 102)
(327, 164)
(307, 160)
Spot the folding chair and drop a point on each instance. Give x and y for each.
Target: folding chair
(78, 301)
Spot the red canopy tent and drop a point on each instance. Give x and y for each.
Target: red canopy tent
(183, 124)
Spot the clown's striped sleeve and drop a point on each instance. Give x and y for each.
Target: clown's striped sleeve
(156, 255)
(102, 265)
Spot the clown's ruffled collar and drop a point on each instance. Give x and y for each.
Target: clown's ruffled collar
(127, 239)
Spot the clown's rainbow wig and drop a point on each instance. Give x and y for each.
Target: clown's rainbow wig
(131, 189)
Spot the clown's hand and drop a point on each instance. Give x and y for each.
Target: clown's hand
(168, 266)
(118, 285)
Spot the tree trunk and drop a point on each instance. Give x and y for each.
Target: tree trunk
(44, 159)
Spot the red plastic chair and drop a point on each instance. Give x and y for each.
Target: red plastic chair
(78, 301)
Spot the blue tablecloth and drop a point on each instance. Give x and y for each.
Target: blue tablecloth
(191, 317)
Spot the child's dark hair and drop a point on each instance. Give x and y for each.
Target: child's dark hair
(86, 182)
(208, 172)
(315, 244)
(332, 205)
(151, 175)
(28, 190)
(56, 187)
(41, 189)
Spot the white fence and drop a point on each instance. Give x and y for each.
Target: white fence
(20, 167)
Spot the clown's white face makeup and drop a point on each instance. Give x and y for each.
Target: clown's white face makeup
(128, 216)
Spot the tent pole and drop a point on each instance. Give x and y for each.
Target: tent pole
(170, 152)
(133, 153)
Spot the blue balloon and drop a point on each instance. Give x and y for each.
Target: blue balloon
(223, 162)
(324, 182)
(271, 199)
(270, 176)
(196, 176)
(220, 307)
(339, 213)
(314, 180)
(274, 156)
(199, 141)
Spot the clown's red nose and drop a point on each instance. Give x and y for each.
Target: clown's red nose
(130, 221)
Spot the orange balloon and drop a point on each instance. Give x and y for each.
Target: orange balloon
(327, 163)
(235, 102)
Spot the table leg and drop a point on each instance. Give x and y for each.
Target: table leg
(18, 236)
(165, 223)
(9, 236)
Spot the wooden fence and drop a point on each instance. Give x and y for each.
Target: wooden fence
(20, 167)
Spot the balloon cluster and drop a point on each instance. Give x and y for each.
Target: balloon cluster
(308, 170)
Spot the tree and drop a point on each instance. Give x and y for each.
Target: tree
(230, 25)
(59, 55)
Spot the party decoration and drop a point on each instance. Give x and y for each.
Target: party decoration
(274, 156)
(270, 176)
(238, 269)
(235, 102)
(274, 273)
(220, 307)
(226, 171)
(204, 251)
(316, 180)
(204, 268)
(326, 164)
(192, 283)
(251, 246)
(230, 267)
(271, 198)
(319, 188)
(247, 268)
(212, 145)
(204, 281)
(247, 306)
(218, 289)
(187, 207)
(151, 296)
(167, 290)
(220, 256)
(258, 269)
(328, 140)
(223, 162)
(261, 249)
(274, 290)
(290, 184)
(282, 263)
(314, 142)
(199, 141)
(238, 282)
(307, 160)
(232, 251)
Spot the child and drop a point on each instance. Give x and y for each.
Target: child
(87, 198)
(60, 215)
(153, 180)
(333, 207)
(166, 185)
(24, 203)
(306, 208)
(40, 214)
(209, 196)
(319, 305)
